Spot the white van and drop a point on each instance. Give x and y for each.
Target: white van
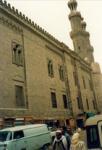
(94, 132)
(28, 137)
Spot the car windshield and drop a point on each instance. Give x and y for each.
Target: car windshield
(5, 135)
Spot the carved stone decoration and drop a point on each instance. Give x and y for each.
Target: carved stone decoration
(21, 17)
(10, 24)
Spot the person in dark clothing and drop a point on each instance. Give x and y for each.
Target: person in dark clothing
(65, 133)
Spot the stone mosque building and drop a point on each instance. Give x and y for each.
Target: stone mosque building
(41, 76)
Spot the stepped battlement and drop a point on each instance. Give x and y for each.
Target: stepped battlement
(24, 18)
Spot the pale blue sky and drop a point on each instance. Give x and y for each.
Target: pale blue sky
(52, 15)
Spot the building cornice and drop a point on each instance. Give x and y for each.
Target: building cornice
(22, 20)
(74, 14)
(25, 21)
(10, 24)
(77, 33)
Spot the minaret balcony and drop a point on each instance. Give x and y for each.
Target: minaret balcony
(78, 33)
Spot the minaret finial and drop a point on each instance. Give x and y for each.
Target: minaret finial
(72, 4)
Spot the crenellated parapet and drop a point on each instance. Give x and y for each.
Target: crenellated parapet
(6, 7)
(15, 12)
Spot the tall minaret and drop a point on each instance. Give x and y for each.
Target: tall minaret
(79, 34)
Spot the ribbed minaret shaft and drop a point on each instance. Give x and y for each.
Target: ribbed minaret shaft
(79, 34)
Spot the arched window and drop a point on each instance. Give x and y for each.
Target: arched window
(87, 103)
(50, 68)
(65, 102)
(61, 72)
(17, 54)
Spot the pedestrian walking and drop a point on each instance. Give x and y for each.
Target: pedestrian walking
(66, 134)
(60, 142)
(82, 133)
(76, 143)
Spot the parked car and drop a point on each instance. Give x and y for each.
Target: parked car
(28, 137)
